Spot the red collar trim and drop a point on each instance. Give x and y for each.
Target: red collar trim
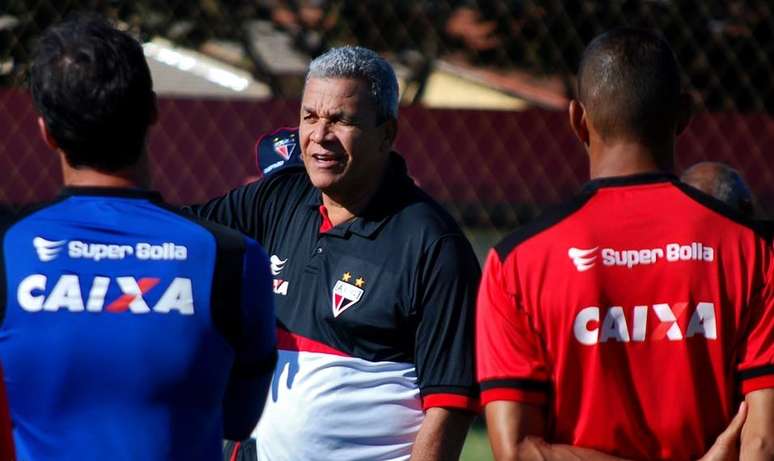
(326, 223)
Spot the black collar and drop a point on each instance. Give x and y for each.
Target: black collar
(387, 200)
(631, 180)
(123, 192)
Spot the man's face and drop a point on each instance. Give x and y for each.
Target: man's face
(343, 144)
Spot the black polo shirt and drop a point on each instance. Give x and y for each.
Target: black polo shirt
(396, 285)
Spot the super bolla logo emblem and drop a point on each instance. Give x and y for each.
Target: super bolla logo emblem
(47, 250)
(67, 295)
(345, 294)
(277, 265)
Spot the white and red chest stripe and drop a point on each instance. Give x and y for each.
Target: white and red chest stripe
(324, 404)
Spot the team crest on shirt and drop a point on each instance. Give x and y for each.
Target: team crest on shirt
(346, 294)
(284, 147)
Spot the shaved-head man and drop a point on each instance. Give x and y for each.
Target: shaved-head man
(722, 182)
(626, 323)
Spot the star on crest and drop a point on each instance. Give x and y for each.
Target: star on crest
(346, 276)
(360, 282)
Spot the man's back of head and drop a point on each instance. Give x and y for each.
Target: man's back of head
(722, 182)
(93, 88)
(629, 84)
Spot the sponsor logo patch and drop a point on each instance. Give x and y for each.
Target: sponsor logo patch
(585, 259)
(35, 293)
(277, 265)
(48, 250)
(657, 322)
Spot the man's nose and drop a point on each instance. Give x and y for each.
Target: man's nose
(320, 132)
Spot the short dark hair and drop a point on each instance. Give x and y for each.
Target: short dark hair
(92, 85)
(629, 83)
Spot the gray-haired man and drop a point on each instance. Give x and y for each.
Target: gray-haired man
(374, 283)
(722, 182)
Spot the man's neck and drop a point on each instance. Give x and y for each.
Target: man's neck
(130, 177)
(624, 158)
(343, 207)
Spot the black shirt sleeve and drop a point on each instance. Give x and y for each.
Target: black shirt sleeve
(444, 351)
(239, 209)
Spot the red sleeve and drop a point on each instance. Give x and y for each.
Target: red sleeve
(756, 366)
(511, 363)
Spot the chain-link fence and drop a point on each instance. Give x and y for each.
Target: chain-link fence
(492, 168)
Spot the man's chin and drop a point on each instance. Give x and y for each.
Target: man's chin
(325, 182)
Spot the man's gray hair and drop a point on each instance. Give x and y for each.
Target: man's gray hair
(364, 64)
(722, 182)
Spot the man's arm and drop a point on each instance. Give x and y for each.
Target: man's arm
(758, 431)
(441, 435)
(238, 209)
(444, 347)
(756, 371)
(508, 423)
(515, 431)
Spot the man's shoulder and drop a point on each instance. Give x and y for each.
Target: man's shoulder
(225, 238)
(420, 212)
(546, 221)
(717, 207)
(290, 176)
(282, 186)
(10, 215)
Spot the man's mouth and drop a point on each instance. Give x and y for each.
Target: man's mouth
(327, 160)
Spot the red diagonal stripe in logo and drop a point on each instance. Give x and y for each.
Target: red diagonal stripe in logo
(122, 304)
(282, 151)
(661, 331)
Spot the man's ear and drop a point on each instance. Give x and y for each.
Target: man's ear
(46, 135)
(579, 122)
(684, 113)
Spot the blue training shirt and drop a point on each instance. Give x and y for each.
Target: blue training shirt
(127, 327)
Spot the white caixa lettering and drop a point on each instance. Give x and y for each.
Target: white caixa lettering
(67, 295)
(595, 326)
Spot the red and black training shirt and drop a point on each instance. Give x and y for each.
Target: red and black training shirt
(638, 314)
